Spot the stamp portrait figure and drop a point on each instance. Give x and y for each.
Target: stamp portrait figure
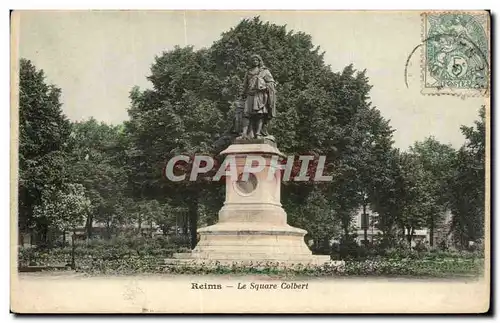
(259, 100)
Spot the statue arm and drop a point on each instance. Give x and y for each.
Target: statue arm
(271, 90)
(270, 83)
(268, 77)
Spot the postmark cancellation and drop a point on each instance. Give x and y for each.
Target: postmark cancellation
(455, 53)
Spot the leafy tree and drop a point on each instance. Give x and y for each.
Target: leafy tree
(98, 160)
(152, 213)
(315, 215)
(467, 184)
(191, 102)
(365, 161)
(387, 189)
(436, 160)
(65, 210)
(416, 196)
(167, 219)
(43, 135)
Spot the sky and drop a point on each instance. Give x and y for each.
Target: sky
(96, 57)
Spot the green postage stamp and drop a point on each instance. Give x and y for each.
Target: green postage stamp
(456, 53)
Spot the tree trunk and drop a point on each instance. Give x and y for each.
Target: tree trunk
(185, 225)
(90, 219)
(431, 232)
(384, 238)
(403, 231)
(73, 247)
(346, 222)
(64, 238)
(346, 232)
(365, 227)
(463, 241)
(176, 225)
(44, 236)
(193, 220)
(325, 245)
(108, 228)
(409, 236)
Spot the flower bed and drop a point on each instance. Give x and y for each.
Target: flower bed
(106, 258)
(415, 268)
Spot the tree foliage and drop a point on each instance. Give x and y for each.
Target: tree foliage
(98, 160)
(435, 160)
(43, 135)
(467, 184)
(191, 103)
(65, 209)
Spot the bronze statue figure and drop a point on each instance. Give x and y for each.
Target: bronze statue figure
(253, 110)
(259, 95)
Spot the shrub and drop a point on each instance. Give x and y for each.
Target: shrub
(180, 240)
(348, 248)
(36, 256)
(401, 253)
(114, 250)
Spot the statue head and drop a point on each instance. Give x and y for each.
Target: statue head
(256, 61)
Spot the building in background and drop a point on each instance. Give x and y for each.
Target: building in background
(367, 219)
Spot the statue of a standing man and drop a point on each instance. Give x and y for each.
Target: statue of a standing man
(259, 100)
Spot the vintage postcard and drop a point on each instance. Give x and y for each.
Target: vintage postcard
(191, 161)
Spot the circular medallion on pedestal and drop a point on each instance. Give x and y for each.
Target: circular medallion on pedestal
(245, 187)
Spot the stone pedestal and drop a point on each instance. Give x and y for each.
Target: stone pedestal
(252, 224)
